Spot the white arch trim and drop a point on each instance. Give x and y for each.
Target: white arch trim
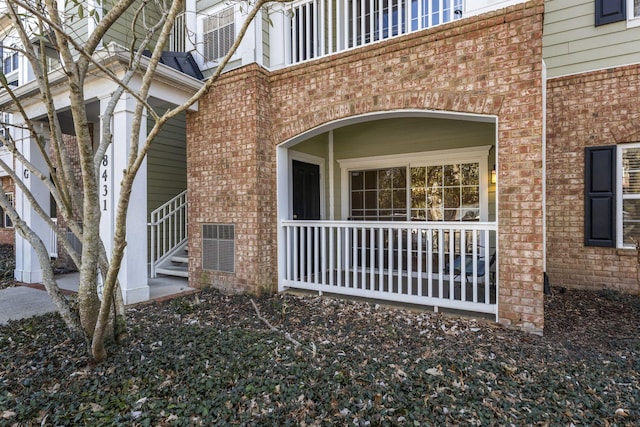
(391, 114)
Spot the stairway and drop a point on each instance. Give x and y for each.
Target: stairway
(175, 263)
(168, 231)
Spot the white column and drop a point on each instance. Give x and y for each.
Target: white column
(28, 268)
(191, 23)
(282, 197)
(133, 271)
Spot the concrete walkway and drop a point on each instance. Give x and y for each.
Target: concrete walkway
(22, 302)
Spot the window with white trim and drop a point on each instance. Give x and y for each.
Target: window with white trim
(219, 33)
(629, 229)
(6, 221)
(10, 61)
(5, 120)
(447, 192)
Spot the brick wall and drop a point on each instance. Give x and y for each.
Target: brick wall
(591, 109)
(487, 65)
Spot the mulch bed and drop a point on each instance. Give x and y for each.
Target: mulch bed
(209, 359)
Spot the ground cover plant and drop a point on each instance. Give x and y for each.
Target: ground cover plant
(210, 359)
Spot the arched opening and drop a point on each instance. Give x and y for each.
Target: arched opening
(397, 205)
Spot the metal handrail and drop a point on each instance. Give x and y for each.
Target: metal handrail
(168, 229)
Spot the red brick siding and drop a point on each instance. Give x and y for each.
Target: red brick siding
(598, 108)
(489, 65)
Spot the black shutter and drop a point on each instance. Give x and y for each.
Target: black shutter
(608, 11)
(600, 196)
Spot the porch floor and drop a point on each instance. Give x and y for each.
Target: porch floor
(160, 287)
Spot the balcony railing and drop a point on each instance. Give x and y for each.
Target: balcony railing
(324, 27)
(448, 264)
(177, 41)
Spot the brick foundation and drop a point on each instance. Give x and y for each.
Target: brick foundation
(591, 109)
(491, 64)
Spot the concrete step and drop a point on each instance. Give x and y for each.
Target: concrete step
(173, 270)
(180, 259)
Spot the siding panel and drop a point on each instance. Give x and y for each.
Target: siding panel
(573, 44)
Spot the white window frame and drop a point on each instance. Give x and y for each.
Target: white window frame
(15, 71)
(620, 198)
(5, 121)
(632, 19)
(212, 62)
(478, 154)
(6, 217)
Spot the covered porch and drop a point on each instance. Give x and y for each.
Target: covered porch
(397, 206)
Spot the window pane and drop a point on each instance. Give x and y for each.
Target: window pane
(371, 180)
(357, 183)
(418, 198)
(434, 176)
(386, 178)
(371, 199)
(451, 175)
(631, 171)
(470, 197)
(636, 8)
(452, 197)
(470, 174)
(418, 177)
(631, 221)
(385, 199)
(399, 178)
(356, 200)
(399, 199)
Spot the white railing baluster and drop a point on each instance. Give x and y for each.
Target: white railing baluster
(372, 258)
(463, 265)
(419, 266)
(390, 249)
(399, 271)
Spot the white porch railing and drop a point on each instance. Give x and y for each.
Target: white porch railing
(177, 40)
(168, 229)
(324, 27)
(410, 262)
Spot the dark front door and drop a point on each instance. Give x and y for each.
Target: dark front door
(306, 190)
(306, 206)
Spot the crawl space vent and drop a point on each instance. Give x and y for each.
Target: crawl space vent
(218, 247)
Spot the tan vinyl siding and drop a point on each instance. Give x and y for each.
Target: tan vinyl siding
(166, 163)
(573, 44)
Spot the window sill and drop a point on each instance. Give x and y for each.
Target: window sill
(633, 22)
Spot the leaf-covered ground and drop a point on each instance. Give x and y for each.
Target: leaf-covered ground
(208, 359)
(7, 265)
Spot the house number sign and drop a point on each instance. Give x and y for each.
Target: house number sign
(105, 188)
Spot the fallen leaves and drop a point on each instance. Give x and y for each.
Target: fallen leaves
(216, 359)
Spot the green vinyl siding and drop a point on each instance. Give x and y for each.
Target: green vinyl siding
(76, 26)
(572, 43)
(166, 163)
(266, 24)
(121, 31)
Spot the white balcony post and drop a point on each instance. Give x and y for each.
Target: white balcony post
(191, 24)
(28, 269)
